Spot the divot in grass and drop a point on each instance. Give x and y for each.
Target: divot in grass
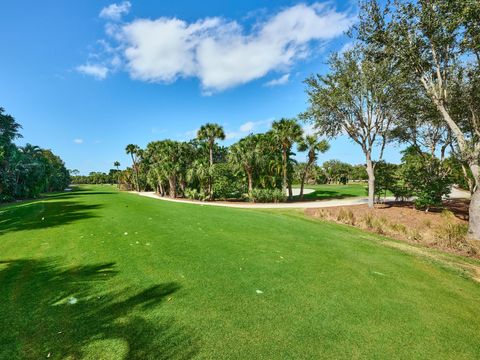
(73, 300)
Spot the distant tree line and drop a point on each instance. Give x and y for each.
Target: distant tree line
(26, 171)
(95, 177)
(259, 167)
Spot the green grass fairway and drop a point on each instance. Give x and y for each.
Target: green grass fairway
(334, 191)
(100, 274)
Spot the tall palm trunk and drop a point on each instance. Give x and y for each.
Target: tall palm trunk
(118, 178)
(284, 170)
(210, 180)
(250, 181)
(135, 171)
(173, 186)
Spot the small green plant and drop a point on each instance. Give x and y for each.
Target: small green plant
(368, 221)
(267, 195)
(399, 228)
(415, 235)
(194, 194)
(322, 214)
(447, 214)
(453, 235)
(427, 223)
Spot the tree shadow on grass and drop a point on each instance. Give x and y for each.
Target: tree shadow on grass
(57, 312)
(44, 214)
(323, 195)
(76, 193)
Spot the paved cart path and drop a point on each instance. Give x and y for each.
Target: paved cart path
(456, 194)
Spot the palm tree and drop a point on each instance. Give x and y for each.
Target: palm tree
(246, 154)
(133, 151)
(313, 146)
(286, 132)
(209, 133)
(30, 150)
(117, 165)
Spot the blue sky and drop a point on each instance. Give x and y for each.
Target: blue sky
(85, 78)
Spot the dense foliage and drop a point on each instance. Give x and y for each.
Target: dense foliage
(26, 171)
(254, 168)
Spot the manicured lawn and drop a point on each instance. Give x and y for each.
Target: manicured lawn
(334, 191)
(100, 274)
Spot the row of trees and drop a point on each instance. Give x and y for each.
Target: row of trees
(26, 171)
(96, 177)
(413, 75)
(200, 168)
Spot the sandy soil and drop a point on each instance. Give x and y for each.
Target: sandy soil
(442, 228)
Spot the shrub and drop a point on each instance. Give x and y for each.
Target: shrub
(322, 214)
(267, 195)
(194, 194)
(399, 228)
(414, 235)
(346, 216)
(368, 220)
(227, 185)
(453, 234)
(432, 185)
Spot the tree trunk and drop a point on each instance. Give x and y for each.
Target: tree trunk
(371, 181)
(284, 181)
(470, 181)
(135, 172)
(173, 187)
(210, 180)
(474, 210)
(302, 182)
(211, 154)
(250, 182)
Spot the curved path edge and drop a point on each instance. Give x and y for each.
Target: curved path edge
(294, 205)
(455, 194)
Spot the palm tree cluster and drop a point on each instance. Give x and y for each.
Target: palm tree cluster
(26, 171)
(202, 169)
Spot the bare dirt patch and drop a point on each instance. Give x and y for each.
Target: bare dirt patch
(443, 229)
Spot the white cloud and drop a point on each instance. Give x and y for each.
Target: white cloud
(346, 47)
(248, 128)
(309, 129)
(229, 135)
(191, 134)
(96, 70)
(279, 81)
(78, 141)
(222, 53)
(115, 11)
